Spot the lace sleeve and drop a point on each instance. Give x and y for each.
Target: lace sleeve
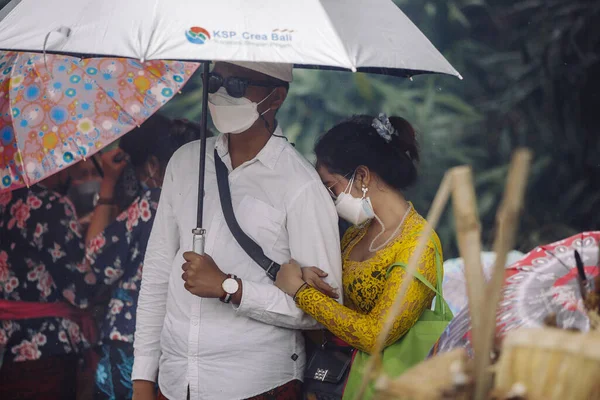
(361, 330)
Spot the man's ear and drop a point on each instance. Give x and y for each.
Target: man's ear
(279, 96)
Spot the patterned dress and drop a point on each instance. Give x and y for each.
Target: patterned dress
(369, 291)
(116, 256)
(42, 260)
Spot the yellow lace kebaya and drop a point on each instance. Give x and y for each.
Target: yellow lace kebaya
(369, 291)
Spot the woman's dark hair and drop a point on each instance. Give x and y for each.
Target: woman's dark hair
(159, 137)
(355, 142)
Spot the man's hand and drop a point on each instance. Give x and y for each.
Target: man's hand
(201, 275)
(144, 390)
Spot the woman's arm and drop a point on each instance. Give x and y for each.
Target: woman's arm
(104, 214)
(361, 330)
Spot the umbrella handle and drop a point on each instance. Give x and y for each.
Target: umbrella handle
(199, 240)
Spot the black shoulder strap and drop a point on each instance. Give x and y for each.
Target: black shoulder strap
(249, 246)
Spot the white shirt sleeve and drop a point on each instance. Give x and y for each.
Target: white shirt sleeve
(312, 225)
(160, 253)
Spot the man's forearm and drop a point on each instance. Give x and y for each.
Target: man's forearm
(266, 303)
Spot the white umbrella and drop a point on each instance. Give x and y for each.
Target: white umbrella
(354, 35)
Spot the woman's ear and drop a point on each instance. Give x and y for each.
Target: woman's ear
(363, 176)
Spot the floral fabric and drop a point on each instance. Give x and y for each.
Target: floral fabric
(42, 259)
(116, 256)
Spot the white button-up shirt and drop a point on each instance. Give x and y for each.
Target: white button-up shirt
(220, 350)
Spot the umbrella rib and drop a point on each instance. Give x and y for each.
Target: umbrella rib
(558, 259)
(339, 39)
(152, 33)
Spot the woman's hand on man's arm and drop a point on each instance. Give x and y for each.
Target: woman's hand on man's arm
(291, 277)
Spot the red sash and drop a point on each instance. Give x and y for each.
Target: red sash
(20, 310)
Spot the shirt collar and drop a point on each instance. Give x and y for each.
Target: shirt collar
(268, 155)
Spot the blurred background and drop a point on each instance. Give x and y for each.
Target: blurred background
(531, 73)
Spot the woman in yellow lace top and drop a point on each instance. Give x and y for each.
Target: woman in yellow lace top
(366, 163)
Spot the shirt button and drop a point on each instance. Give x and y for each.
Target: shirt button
(195, 322)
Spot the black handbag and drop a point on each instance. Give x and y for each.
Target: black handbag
(327, 370)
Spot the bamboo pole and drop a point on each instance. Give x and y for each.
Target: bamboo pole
(468, 235)
(439, 202)
(507, 222)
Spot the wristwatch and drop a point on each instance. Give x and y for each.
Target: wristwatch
(230, 286)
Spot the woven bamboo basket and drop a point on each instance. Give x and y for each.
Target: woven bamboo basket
(436, 378)
(549, 364)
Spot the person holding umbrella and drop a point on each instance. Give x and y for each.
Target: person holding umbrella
(222, 330)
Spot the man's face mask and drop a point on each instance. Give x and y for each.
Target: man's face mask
(82, 196)
(231, 114)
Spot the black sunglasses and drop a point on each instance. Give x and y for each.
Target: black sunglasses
(235, 86)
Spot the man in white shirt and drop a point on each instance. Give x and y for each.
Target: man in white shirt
(204, 347)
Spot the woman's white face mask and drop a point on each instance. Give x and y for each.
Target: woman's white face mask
(353, 209)
(231, 114)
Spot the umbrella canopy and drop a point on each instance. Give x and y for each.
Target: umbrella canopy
(354, 35)
(542, 283)
(57, 110)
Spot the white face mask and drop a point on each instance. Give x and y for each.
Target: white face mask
(352, 209)
(233, 115)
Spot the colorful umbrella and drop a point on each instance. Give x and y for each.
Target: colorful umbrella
(543, 282)
(57, 110)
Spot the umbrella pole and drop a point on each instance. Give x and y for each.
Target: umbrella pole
(199, 232)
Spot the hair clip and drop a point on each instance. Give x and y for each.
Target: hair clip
(384, 127)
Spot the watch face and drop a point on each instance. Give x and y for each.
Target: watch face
(230, 286)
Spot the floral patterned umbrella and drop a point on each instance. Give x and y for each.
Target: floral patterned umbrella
(57, 110)
(543, 282)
